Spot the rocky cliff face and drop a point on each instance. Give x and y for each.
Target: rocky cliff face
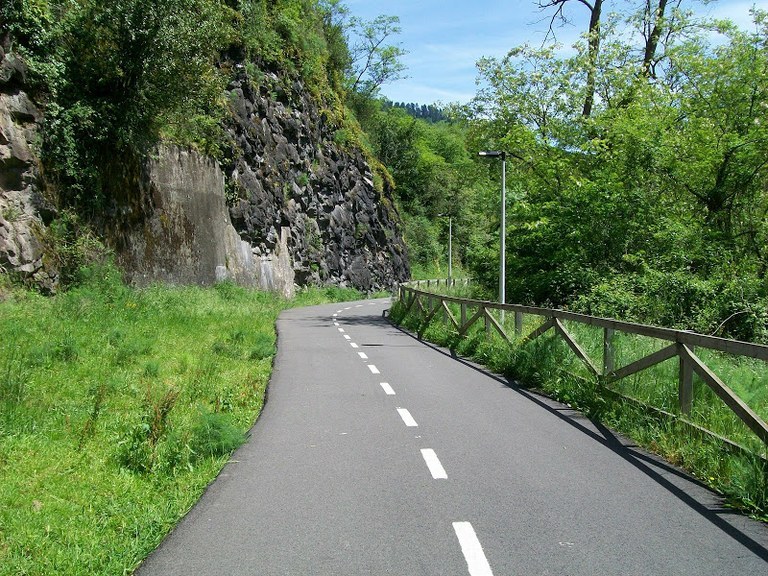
(23, 210)
(287, 174)
(170, 223)
(287, 206)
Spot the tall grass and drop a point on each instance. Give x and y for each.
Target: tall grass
(117, 408)
(549, 365)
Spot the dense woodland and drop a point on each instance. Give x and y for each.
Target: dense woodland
(637, 160)
(637, 170)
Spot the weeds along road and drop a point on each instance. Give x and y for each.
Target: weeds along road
(378, 454)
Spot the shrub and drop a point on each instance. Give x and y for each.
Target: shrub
(213, 434)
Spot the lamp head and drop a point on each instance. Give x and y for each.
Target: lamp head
(493, 154)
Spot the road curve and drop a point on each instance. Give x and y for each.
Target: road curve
(377, 454)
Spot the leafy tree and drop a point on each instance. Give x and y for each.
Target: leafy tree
(373, 62)
(130, 70)
(653, 208)
(595, 8)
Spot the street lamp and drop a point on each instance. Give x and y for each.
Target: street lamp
(503, 156)
(450, 245)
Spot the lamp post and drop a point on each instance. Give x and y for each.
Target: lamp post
(502, 267)
(450, 245)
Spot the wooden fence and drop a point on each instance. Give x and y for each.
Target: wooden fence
(682, 344)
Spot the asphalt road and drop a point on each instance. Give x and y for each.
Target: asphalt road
(377, 454)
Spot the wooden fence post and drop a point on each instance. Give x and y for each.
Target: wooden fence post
(487, 322)
(463, 313)
(518, 323)
(685, 385)
(608, 352)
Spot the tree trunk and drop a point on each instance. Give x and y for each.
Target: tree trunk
(655, 24)
(594, 49)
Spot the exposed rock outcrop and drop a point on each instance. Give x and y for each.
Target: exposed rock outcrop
(171, 224)
(23, 210)
(288, 205)
(287, 171)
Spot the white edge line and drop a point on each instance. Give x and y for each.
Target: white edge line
(353, 345)
(341, 330)
(407, 418)
(347, 337)
(387, 388)
(363, 355)
(477, 563)
(434, 465)
(373, 369)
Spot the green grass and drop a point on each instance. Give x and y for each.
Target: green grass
(117, 409)
(548, 364)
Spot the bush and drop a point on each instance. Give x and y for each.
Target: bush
(421, 236)
(73, 251)
(213, 434)
(726, 304)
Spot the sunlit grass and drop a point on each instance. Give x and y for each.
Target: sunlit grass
(117, 408)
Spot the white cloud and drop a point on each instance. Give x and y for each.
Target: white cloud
(445, 38)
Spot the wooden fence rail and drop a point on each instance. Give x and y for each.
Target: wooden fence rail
(682, 343)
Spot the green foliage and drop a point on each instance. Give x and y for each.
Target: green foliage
(428, 112)
(73, 251)
(213, 435)
(372, 61)
(422, 241)
(287, 35)
(652, 208)
(117, 409)
(27, 22)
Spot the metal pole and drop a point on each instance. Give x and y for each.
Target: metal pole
(450, 247)
(503, 232)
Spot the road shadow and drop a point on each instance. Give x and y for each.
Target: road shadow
(753, 535)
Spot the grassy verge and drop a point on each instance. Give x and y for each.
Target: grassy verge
(117, 408)
(547, 364)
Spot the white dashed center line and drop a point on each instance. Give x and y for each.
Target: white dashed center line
(433, 463)
(406, 416)
(387, 388)
(477, 563)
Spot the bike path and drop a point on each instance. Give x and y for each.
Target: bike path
(379, 454)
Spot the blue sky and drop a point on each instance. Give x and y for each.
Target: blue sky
(445, 38)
